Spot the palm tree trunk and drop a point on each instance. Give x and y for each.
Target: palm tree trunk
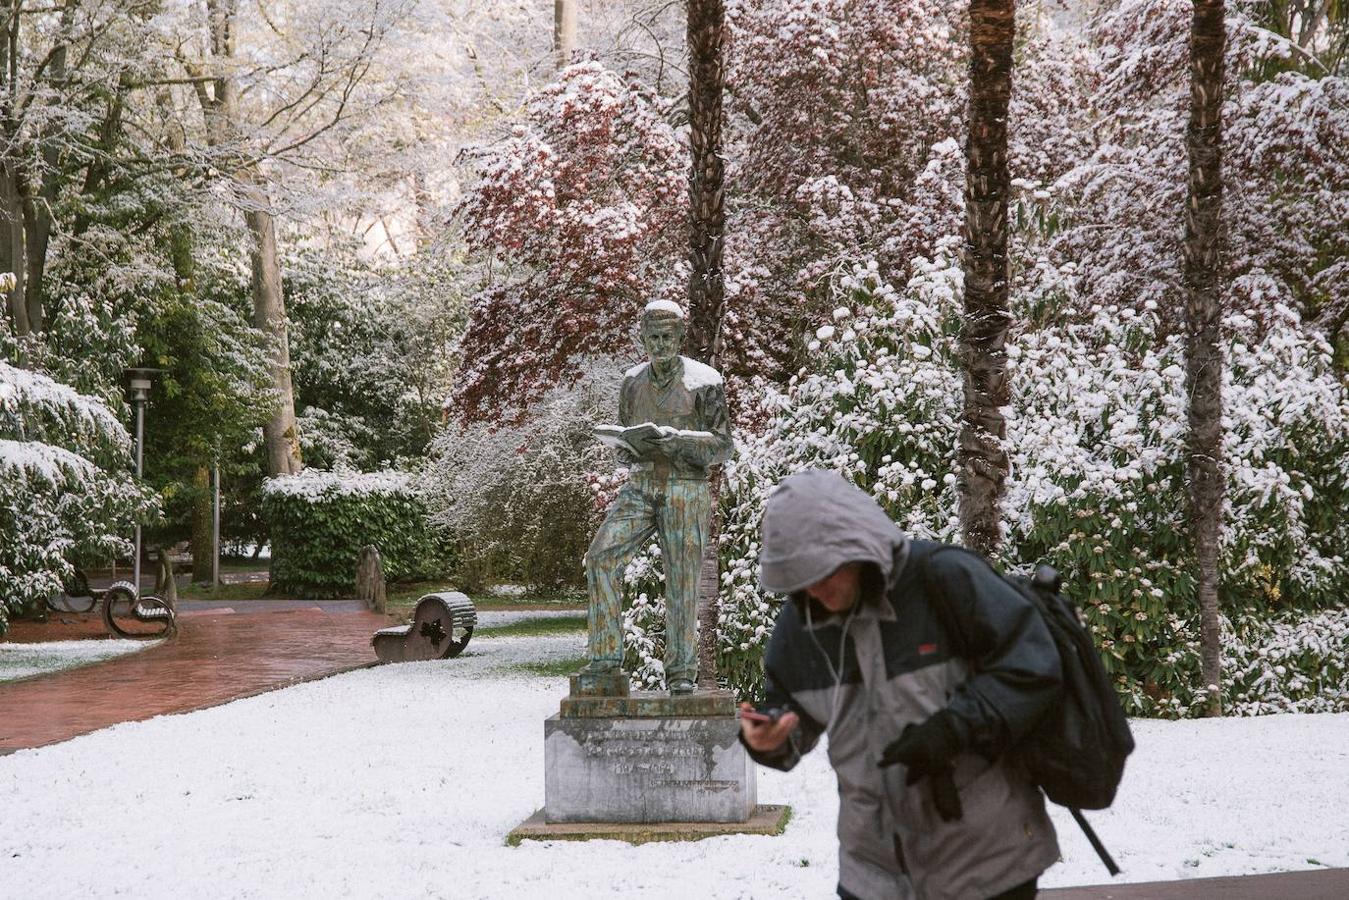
(706, 289)
(983, 333)
(1203, 319)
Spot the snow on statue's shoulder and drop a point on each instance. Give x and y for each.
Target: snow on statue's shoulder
(697, 375)
(636, 370)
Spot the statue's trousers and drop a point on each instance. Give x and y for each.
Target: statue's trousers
(676, 510)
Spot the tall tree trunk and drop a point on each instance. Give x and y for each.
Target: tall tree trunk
(11, 205)
(707, 178)
(1203, 320)
(706, 288)
(12, 245)
(39, 196)
(281, 434)
(983, 331)
(202, 545)
(564, 31)
(220, 108)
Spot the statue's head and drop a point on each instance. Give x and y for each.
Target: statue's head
(662, 328)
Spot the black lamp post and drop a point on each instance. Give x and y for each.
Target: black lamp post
(141, 380)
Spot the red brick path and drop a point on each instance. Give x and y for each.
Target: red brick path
(216, 657)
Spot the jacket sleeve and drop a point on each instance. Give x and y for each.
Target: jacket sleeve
(800, 741)
(1016, 669)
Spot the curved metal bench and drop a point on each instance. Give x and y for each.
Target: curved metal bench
(441, 626)
(123, 610)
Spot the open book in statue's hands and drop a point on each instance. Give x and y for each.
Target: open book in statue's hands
(639, 440)
(646, 440)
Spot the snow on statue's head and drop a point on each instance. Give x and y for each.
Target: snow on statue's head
(662, 311)
(662, 328)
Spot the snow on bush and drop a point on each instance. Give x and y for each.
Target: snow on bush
(1291, 662)
(65, 490)
(582, 209)
(1096, 446)
(319, 521)
(521, 502)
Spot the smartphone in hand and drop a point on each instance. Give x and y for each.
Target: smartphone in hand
(766, 716)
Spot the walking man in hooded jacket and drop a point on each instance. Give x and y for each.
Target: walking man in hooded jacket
(930, 805)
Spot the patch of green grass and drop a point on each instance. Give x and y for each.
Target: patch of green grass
(407, 594)
(532, 627)
(557, 668)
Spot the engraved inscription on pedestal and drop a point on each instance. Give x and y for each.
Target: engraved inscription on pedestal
(646, 770)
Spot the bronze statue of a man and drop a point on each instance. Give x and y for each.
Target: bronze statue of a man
(673, 410)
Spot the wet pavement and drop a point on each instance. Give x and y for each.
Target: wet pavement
(1315, 884)
(218, 655)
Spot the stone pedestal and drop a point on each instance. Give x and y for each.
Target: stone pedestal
(646, 758)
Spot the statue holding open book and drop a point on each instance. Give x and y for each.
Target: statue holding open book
(673, 427)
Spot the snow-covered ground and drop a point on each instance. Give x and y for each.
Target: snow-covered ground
(402, 781)
(25, 660)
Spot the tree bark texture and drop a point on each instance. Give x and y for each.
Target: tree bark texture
(202, 543)
(281, 435)
(564, 31)
(220, 109)
(707, 177)
(1203, 319)
(983, 333)
(706, 296)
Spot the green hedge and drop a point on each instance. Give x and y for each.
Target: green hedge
(319, 521)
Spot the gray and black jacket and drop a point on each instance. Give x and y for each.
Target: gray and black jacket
(865, 675)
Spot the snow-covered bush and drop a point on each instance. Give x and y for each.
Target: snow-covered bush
(1096, 447)
(1290, 662)
(319, 521)
(1285, 165)
(519, 501)
(372, 349)
(65, 489)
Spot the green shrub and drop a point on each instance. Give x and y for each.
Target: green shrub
(518, 500)
(319, 521)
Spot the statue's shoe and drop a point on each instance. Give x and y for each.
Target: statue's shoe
(600, 667)
(682, 686)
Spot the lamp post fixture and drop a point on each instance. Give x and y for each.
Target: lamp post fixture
(141, 380)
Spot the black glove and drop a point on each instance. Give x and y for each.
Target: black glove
(928, 750)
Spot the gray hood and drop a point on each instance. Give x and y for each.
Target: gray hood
(815, 522)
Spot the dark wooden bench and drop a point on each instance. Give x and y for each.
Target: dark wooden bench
(441, 626)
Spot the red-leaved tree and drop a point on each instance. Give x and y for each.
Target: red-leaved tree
(581, 212)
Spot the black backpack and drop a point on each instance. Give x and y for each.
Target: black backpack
(1076, 751)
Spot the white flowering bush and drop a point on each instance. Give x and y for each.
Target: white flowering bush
(1096, 440)
(65, 490)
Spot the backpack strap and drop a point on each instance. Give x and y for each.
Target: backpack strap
(941, 605)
